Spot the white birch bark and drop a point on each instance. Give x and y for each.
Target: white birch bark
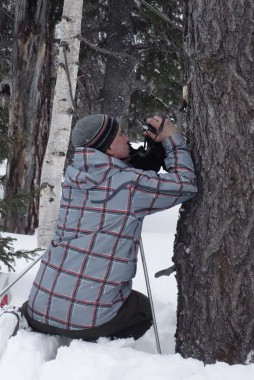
(53, 164)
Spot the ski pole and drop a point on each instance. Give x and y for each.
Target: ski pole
(150, 296)
(20, 276)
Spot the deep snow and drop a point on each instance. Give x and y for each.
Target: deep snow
(34, 356)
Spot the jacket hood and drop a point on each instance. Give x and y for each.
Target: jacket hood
(91, 167)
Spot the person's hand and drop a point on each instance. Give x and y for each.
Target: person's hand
(168, 129)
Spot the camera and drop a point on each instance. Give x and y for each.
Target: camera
(149, 127)
(151, 155)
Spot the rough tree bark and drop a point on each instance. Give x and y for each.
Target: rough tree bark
(92, 65)
(214, 247)
(119, 71)
(29, 120)
(53, 164)
(6, 41)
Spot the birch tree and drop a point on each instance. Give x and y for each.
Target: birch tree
(214, 248)
(61, 121)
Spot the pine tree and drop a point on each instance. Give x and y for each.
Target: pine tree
(154, 78)
(214, 248)
(159, 75)
(8, 255)
(30, 81)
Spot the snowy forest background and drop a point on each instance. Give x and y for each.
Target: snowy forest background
(135, 57)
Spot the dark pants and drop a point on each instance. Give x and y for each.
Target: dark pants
(133, 319)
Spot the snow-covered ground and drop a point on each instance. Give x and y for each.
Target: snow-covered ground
(34, 356)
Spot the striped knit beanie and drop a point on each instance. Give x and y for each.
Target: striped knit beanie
(95, 131)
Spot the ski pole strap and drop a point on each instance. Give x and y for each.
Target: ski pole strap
(160, 128)
(18, 320)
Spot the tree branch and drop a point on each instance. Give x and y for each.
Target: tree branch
(165, 272)
(160, 14)
(105, 51)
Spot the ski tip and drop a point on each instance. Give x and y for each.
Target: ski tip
(4, 301)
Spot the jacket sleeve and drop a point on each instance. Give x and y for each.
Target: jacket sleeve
(154, 192)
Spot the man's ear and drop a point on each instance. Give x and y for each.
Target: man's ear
(109, 152)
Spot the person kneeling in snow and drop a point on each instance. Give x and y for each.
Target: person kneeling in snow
(83, 288)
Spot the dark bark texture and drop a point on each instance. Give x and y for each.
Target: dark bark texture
(91, 69)
(119, 72)
(214, 247)
(105, 79)
(6, 41)
(30, 107)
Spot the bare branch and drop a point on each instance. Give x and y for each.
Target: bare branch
(165, 272)
(160, 14)
(7, 14)
(104, 51)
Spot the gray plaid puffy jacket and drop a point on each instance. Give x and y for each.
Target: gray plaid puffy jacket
(86, 273)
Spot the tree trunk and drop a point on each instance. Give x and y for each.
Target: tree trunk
(53, 164)
(214, 248)
(119, 71)
(7, 9)
(92, 62)
(29, 108)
